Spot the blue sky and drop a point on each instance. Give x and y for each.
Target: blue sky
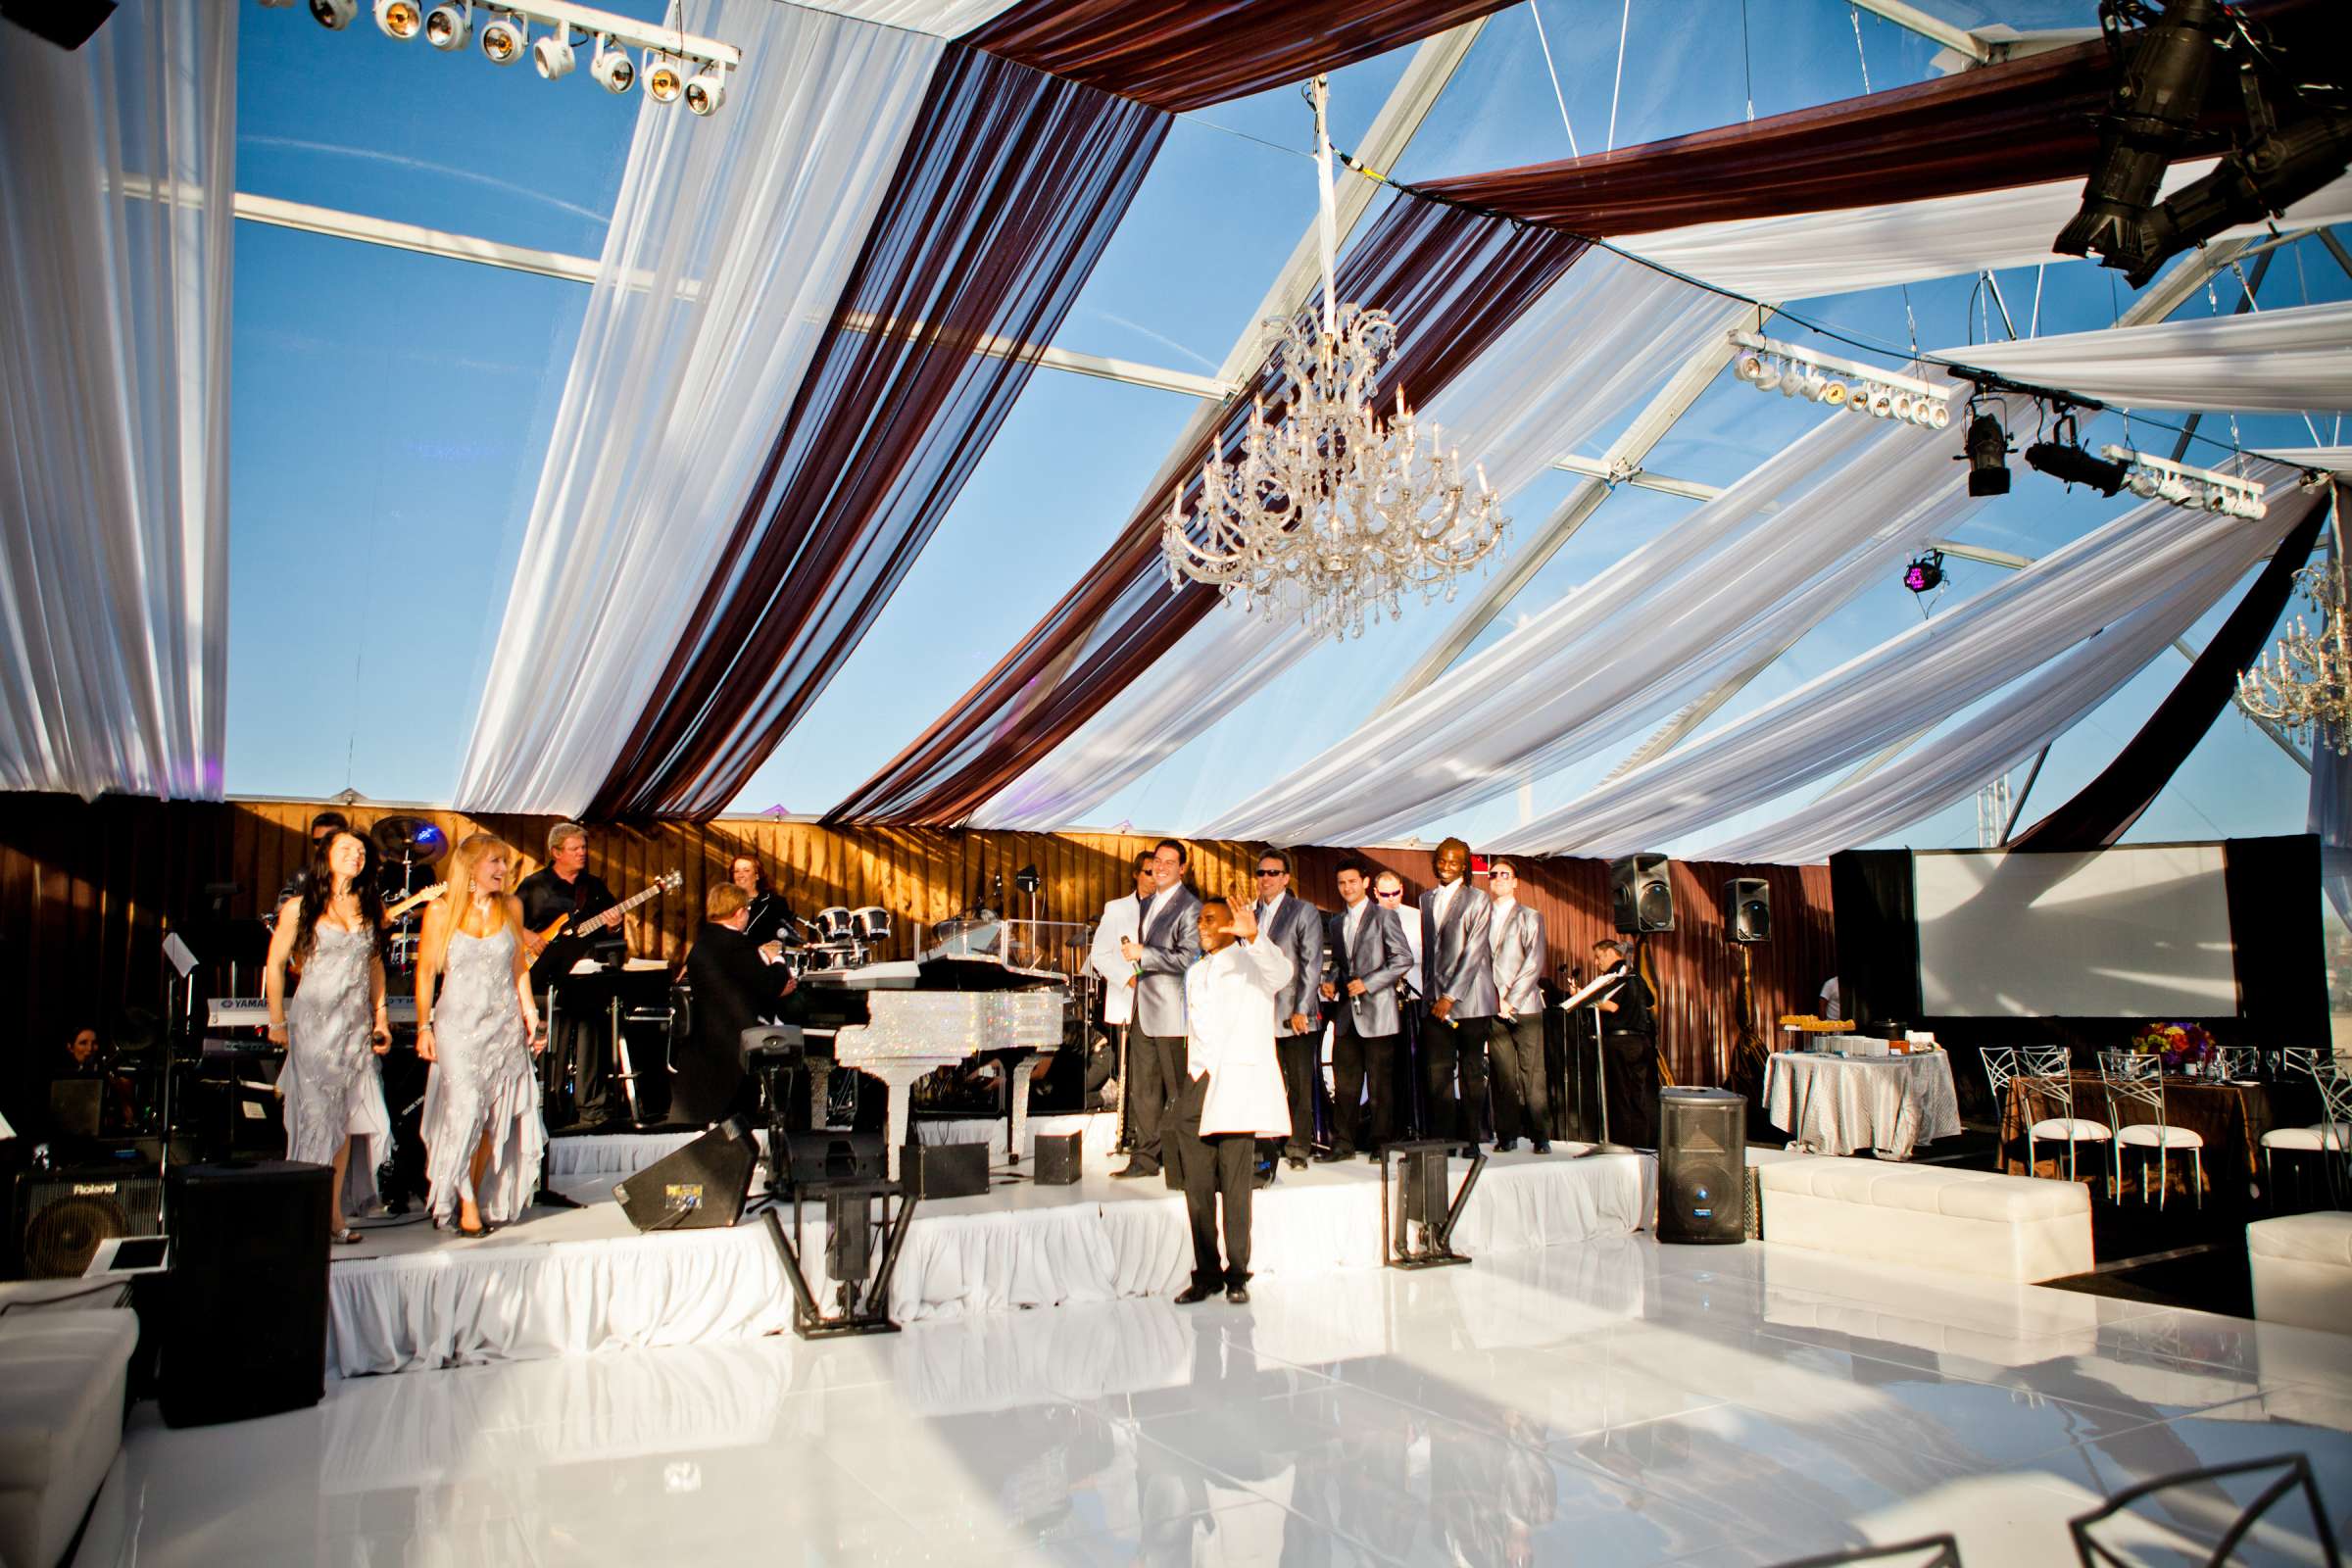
(391, 411)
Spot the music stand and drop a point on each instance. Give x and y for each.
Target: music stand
(1592, 995)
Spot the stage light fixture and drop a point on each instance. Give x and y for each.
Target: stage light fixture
(449, 26)
(1924, 574)
(664, 78)
(2208, 489)
(504, 39)
(2153, 110)
(399, 19)
(552, 55)
(706, 91)
(334, 15)
(612, 68)
(1988, 454)
(2062, 458)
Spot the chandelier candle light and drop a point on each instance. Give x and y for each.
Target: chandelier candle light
(2304, 685)
(1332, 513)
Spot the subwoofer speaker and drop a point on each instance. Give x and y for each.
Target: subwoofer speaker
(700, 1186)
(1058, 1159)
(932, 1171)
(1748, 909)
(245, 1331)
(825, 1156)
(1702, 1166)
(63, 1215)
(1640, 898)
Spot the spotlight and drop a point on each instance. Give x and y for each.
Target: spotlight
(2153, 110)
(1924, 574)
(1988, 456)
(2062, 458)
(449, 26)
(399, 19)
(1833, 394)
(706, 91)
(613, 69)
(664, 80)
(1939, 414)
(334, 15)
(552, 55)
(1749, 367)
(504, 39)
(2142, 483)
(1882, 402)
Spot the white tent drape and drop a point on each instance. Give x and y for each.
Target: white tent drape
(1809, 255)
(729, 246)
(2282, 360)
(1598, 342)
(944, 18)
(115, 246)
(1753, 568)
(1992, 741)
(1890, 692)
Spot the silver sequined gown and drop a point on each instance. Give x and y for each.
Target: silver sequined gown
(482, 1081)
(330, 1083)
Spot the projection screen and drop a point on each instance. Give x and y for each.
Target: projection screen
(2140, 931)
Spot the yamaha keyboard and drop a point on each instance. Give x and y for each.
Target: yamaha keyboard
(242, 1012)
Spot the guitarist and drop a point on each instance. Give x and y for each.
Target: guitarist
(564, 888)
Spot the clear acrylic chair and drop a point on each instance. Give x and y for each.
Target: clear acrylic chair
(2047, 1082)
(2136, 1080)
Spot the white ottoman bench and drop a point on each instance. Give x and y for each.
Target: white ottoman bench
(2302, 1266)
(1928, 1216)
(63, 1376)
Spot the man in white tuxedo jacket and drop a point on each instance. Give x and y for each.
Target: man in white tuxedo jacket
(1123, 920)
(1457, 981)
(1295, 926)
(1233, 1093)
(1158, 956)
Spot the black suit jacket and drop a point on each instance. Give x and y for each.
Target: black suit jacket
(770, 913)
(732, 989)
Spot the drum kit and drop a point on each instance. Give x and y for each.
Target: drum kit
(408, 847)
(842, 939)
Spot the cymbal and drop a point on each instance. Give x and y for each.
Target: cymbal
(412, 837)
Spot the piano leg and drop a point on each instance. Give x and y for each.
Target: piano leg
(1016, 1082)
(895, 1124)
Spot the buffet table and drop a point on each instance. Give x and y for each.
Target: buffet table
(1838, 1104)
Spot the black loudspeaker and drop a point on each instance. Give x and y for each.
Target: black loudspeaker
(1057, 1159)
(825, 1155)
(698, 1188)
(1703, 1165)
(1639, 897)
(244, 1333)
(63, 1215)
(1748, 909)
(933, 1171)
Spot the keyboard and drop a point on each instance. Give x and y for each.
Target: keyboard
(242, 1013)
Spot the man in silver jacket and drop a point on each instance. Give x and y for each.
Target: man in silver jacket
(1169, 942)
(1369, 955)
(1457, 977)
(1522, 1098)
(1295, 926)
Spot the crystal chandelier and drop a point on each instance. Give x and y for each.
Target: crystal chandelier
(1333, 513)
(2304, 685)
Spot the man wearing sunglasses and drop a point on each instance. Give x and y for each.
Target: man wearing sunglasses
(1388, 895)
(1295, 926)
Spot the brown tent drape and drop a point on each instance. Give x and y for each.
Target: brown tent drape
(1456, 279)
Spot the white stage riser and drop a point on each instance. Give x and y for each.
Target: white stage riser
(1017, 1247)
(571, 1159)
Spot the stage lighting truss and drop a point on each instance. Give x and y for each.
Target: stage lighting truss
(2206, 489)
(676, 65)
(1771, 365)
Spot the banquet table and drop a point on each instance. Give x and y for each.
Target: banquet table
(2229, 1117)
(1838, 1104)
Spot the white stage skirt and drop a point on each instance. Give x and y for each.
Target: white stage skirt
(574, 1281)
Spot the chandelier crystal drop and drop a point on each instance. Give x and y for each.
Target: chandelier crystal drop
(2304, 684)
(1333, 513)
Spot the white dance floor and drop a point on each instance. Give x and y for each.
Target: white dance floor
(1611, 1402)
(573, 1282)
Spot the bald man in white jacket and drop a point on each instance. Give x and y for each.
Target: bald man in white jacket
(1235, 1093)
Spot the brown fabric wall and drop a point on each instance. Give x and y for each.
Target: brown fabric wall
(87, 892)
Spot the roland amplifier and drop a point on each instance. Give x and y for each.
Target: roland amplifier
(61, 1216)
(1702, 1166)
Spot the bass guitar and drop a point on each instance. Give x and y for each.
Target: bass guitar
(394, 912)
(568, 943)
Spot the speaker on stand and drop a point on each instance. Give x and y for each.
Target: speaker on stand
(1640, 900)
(1702, 1166)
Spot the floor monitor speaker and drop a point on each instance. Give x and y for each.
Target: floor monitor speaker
(933, 1171)
(1639, 895)
(63, 1215)
(698, 1188)
(1703, 1165)
(828, 1155)
(244, 1331)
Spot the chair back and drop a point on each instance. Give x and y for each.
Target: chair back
(2132, 1078)
(2048, 1079)
(2001, 1065)
(2335, 1103)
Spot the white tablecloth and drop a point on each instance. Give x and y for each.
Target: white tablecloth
(1841, 1104)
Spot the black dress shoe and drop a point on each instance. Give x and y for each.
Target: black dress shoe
(1237, 1294)
(1193, 1295)
(1505, 1146)
(1332, 1157)
(1295, 1162)
(1131, 1170)
(1541, 1146)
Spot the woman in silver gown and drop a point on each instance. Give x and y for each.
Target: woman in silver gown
(483, 1138)
(333, 935)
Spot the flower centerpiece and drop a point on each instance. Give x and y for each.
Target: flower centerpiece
(2185, 1047)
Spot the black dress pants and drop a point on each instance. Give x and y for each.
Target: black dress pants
(1522, 1095)
(1449, 1046)
(1223, 1166)
(1632, 1064)
(1357, 1062)
(1156, 1072)
(584, 1040)
(1299, 1070)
